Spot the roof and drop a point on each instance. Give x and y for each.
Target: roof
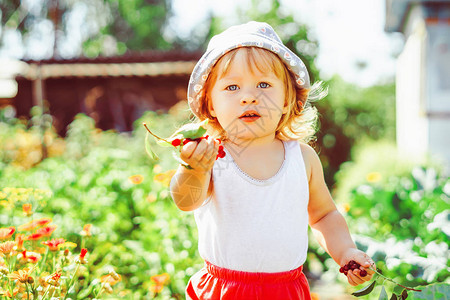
(397, 12)
(131, 64)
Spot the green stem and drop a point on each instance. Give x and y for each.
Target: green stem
(54, 262)
(28, 292)
(42, 265)
(159, 138)
(71, 281)
(389, 279)
(46, 291)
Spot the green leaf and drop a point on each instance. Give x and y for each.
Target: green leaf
(148, 148)
(192, 131)
(436, 291)
(365, 291)
(383, 294)
(163, 143)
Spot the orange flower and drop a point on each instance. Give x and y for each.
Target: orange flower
(34, 237)
(53, 244)
(159, 282)
(151, 198)
(33, 224)
(54, 278)
(156, 288)
(19, 241)
(27, 209)
(7, 247)
(136, 179)
(165, 177)
(21, 275)
(8, 293)
(86, 230)
(7, 232)
(112, 278)
(47, 230)
(28, 256)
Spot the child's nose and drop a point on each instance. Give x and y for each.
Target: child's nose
(249, 100)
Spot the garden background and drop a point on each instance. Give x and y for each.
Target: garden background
(103, 193)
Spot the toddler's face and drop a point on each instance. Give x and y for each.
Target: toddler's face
(243, 88)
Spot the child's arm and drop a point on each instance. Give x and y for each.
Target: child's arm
(328, 224)
(190, 187)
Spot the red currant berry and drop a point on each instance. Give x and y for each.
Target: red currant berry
(220, 148)
(176, 142)
(186, 140)
(363, 273)
(341, 270)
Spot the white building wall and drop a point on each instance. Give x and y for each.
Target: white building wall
(412, 124)
(438, 89)
(423, 90)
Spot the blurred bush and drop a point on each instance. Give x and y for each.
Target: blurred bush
(135, 226)
(404, 224)
(350, 114)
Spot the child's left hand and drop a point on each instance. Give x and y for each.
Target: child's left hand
(354, 276)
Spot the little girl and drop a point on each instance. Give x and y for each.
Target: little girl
(253, 206)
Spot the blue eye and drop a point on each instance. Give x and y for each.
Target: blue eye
(232, 87)
(263, 85)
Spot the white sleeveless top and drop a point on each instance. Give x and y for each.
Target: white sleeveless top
(256, 225)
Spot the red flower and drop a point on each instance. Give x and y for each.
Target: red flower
(33, 224)
(34, 237)
(6, 232)
(47, 230)
(83, 253)
(28, 256)
(53, 244)
(82, 258)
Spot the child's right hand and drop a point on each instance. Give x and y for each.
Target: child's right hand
(200, 155)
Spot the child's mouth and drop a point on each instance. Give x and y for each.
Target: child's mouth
(250, 116)
(250, 119)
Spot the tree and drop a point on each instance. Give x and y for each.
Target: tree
(107, 27)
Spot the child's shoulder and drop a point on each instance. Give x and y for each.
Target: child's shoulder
(311, 158)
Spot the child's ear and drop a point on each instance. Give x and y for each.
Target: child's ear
(285, 108)
(211, 109)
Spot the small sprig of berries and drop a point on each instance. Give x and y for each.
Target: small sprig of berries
(188, 133)
(350, 266)
(178, 142)
(353, 265)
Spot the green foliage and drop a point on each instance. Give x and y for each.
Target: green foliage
(437, 291)
(136, 227)
(350, 115)
(403, 224)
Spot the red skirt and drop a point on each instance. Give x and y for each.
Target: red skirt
(213, 282)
